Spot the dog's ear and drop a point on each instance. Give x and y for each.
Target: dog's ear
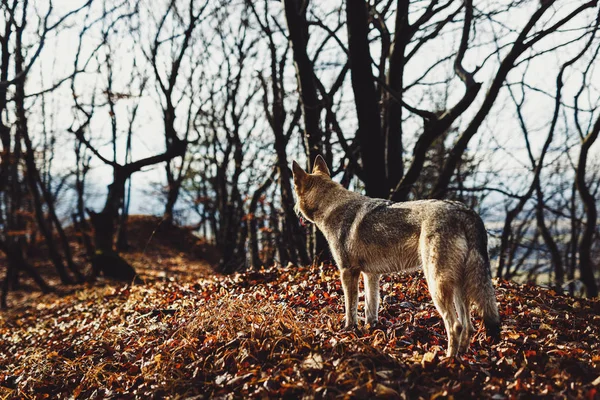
(321, 166)
(299, 174)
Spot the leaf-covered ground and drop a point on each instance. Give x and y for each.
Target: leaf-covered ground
(275, 333)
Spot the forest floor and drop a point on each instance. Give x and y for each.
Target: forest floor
(188, 333)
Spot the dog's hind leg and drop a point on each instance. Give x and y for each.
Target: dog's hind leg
(350, 285)
(442, 284)
(461, 303)
(442, 297)
(371, 297)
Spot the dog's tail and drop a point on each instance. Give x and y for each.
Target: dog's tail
(482, 290)
(489, 310)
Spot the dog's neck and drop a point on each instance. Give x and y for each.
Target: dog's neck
(329, 199)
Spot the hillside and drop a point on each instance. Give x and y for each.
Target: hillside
(167, 251)
(274, 333)
(156, 251)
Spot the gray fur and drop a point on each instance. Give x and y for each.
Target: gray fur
(373, 237)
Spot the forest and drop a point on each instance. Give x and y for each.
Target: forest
(149, 242)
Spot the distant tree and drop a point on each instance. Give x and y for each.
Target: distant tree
(587, 265)
(106, 258)
(169, 65)
(23, 35)
(274, 93)
(226, 165)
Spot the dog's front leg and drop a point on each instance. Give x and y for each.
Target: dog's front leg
(371, 297)
(350, 286)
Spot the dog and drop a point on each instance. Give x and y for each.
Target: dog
(373, 236)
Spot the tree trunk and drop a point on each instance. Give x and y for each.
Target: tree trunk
(78, 217)
(557, 262)
(172, 195)
(291, 230)
(31, 178)
(106, 259)
(64, 241)
(123, 236)
(365, 97)
(295, 13)
(231, 244)
(504, 239)
(252, 221)
(16, 263)
(392, 121)
(572, 248)
(586, 266)
(320, 248)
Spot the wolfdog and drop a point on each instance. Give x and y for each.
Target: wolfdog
(374, 237)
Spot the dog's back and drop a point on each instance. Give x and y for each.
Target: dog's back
(380, 236)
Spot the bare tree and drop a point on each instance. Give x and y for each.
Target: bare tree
(274, 107)
(586, 264)
(24, 190)
(106, 258)
(167, 78)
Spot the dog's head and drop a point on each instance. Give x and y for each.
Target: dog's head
(310, 188)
